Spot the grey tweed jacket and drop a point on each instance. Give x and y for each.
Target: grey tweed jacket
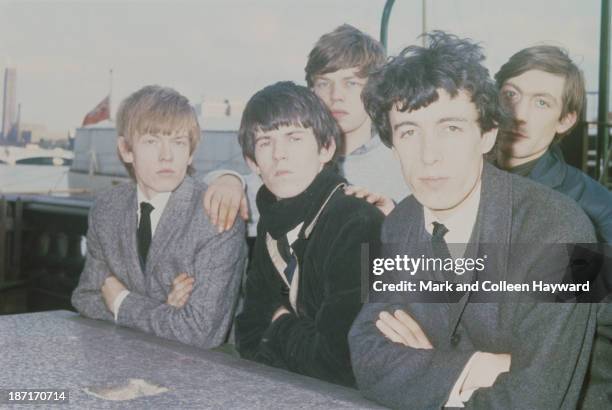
(550, 344)
(184, 241)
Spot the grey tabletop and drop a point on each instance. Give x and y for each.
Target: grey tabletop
(98, 361)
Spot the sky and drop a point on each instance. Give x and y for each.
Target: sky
(216, 49)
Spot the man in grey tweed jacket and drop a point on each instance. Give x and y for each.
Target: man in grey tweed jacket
(438, 108)
(184, 287)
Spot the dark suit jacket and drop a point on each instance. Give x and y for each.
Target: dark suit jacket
(184, 241)
(549, 344)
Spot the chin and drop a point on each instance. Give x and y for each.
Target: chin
(284, 192)
(167, 186)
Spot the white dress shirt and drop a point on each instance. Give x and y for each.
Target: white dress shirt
(159, 202)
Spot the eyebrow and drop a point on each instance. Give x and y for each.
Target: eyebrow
(536, 94)
(440, 121)
(349, 77)
(295, 131)
(403, 123)
(451, 119)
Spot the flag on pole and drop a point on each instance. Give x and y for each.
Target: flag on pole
(100, 113)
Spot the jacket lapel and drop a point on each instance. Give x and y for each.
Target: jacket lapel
(170, 221)
(129, 228)
(491, 234)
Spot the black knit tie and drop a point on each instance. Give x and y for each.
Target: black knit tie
(438, 244)
(144, 231)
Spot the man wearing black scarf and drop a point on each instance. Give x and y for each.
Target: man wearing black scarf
(303, 288)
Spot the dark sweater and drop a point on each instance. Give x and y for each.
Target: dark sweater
(594, 199)
(313, 340)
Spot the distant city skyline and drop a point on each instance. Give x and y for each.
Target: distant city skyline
(9, 102)
(217, 50)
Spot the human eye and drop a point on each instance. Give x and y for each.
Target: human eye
(542, 103)
(353, 83)
(321, 84)
(406, 133)
(454, 128)
(149, 140)
(295, 137)
(262, 142)
(510, 95)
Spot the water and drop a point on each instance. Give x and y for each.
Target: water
(31, 179)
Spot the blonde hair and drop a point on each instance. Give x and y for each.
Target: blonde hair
(155, 110)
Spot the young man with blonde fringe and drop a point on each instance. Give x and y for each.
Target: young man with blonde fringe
(154, 261)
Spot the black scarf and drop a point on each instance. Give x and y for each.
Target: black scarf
(279, 216)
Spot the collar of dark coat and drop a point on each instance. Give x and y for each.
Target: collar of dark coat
(277, 217)
(551, 168)
(175, 210)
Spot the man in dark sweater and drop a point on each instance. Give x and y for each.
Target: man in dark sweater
(545, 90)
(303, 288)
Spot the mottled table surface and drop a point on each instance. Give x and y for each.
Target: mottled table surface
(61, 350)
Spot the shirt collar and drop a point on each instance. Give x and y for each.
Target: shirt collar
(461, 222)
(159, 201)
(371, 144)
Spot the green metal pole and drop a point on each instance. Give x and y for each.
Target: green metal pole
(384, 24)
(601, 168)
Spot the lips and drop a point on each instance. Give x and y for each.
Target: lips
(165, 172)
(516, 135)
(433, 182)
(337, 114)
(282, 173)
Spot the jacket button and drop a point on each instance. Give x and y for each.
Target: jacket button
(455, 339)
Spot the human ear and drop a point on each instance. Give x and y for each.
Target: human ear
(124, 150)
(326, 153)
(488, 140)
(253, 165)
(567, 122)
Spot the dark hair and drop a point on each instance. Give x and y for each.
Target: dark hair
(553, 60)
(412, 79)
(345, 47)
(286, 104)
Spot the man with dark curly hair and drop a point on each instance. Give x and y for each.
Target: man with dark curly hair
(437, 107)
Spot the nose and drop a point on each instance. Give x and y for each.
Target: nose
(165, 151)
(279, 150)
(430, 149)
(337, 92)
(521, 110)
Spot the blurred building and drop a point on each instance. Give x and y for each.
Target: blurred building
(9, 106)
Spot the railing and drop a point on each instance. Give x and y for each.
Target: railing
(599, 166)
(41, 251)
